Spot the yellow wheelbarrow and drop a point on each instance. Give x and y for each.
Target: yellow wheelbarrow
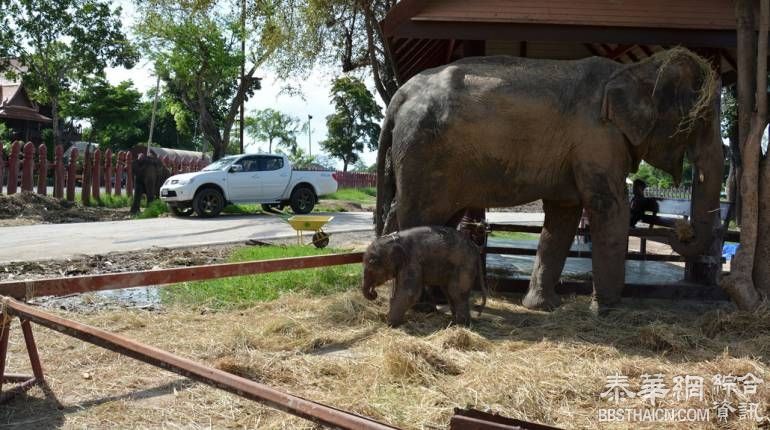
(314, 223)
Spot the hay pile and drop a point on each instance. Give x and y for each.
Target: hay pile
(535, 366)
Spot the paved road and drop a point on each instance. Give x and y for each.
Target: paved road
(47, 241)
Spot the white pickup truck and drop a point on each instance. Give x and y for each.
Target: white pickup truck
(266, 179)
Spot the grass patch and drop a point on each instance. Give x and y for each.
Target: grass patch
(153, 210)
(357, 195)
(242, 209)
(105, 201)
(514, 235)
(244, 291)
(327, 208)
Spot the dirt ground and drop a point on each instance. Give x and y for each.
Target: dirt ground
(30, 208)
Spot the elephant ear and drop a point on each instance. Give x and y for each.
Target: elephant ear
(629, 105)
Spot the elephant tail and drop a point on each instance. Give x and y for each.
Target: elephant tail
(482, 282)
(386, 185)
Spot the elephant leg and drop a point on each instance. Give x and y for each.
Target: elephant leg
(151, 190)
(558, 233)
(458, 294)
(138, 191)
(407, 289)
(608, 214)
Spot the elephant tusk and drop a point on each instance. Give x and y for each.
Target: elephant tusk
(701, 178)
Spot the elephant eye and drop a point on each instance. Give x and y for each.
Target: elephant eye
(373, 260)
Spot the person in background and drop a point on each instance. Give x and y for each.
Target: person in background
(641, 204)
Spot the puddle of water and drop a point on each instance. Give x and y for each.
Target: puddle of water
(138, 297)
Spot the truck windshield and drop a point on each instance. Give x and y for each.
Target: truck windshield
(220, 164)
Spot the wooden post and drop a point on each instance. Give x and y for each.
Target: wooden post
(108, 172)
(42, 169)
(58, 181)
(27, 167)
(13, 168)
(85, 186)
(119, 172)
(96, 182)
(129, 176)
(72, 175)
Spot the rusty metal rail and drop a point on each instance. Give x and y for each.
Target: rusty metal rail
(307, 409)
(114, 281)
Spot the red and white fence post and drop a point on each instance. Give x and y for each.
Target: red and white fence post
(27, 167)
(96, 182)
(13, 167)
(108, 172)
(72, 175)
(42, 169)
(58, 172)
(129, 175)
(119, 172)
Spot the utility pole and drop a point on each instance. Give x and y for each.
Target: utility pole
(243, 67)
(309, 145)
(152, 118)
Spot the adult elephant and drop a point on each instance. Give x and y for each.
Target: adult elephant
(149, 174)
(503, 131)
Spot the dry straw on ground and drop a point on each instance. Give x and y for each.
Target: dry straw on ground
(545, 367)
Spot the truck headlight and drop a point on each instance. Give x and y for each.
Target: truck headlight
(182, 181)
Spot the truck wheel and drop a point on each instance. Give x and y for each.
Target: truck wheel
(302, 200)
(208, 203)
(181, 212)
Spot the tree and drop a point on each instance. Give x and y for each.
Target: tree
(119, 117)
(749, 278)
(339, 33)
(195, 46)
(63, 42)
(269, 125)
(354, 123)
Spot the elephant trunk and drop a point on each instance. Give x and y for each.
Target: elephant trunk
(367, 287)
(708, 158)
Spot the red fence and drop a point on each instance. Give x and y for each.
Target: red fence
(355, 179)
(28, 169)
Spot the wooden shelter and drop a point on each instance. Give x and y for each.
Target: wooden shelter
(426, 33)
(421, 34)
(21, 114)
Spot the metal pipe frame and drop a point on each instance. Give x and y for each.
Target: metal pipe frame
(298, 406)
(115, 281)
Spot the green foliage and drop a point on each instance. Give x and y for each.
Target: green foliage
(154, 210)
(300, 159)
(340, 34)
(271, 126)
(242, 209)
(655, 177)
(243, 291)
(196, 50)
(63, 42)
(355, 121)
(120, 118)
(514, 235)
(356, 195)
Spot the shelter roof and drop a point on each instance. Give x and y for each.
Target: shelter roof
(427, 33)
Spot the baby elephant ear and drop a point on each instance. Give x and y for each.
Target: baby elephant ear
(629, 105)
(398, 255)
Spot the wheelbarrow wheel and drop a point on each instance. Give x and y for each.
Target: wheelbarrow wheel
(321, 239)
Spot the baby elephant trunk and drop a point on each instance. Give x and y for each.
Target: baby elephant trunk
(367, 287)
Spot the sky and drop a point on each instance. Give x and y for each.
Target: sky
(314, 100)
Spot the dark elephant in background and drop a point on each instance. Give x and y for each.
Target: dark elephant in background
(503, 131)
(149, 174)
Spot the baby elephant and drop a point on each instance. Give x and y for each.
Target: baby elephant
(420, 257)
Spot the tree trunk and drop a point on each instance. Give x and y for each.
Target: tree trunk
(762, 258)
(55, 121)
(740, 284)
(747, 72)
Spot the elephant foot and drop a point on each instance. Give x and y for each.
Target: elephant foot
(541, 302)
(604, 309)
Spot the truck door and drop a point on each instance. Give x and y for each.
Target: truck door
(274, 175)
(245, 185)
